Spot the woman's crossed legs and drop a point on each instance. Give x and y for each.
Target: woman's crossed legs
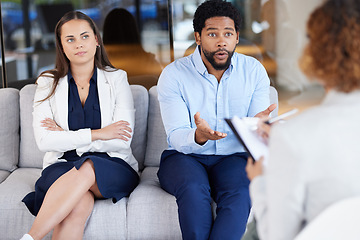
(67, 204)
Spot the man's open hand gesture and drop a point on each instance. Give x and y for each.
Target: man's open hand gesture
(203, 131)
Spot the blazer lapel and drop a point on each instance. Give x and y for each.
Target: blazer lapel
(61, 102)
(105, 96)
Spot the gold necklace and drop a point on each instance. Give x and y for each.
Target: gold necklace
(82, 88)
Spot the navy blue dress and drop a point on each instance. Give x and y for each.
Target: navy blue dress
(115, 178)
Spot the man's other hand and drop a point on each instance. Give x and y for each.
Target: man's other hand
(266, 112)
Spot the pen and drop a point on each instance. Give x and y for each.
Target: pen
(282, 116)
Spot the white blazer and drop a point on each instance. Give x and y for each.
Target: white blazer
(116, 103)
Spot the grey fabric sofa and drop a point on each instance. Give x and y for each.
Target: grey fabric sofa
(149, 212)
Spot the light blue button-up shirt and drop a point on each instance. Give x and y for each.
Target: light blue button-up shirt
(185, 87)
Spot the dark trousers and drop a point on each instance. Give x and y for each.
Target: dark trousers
(197, 179)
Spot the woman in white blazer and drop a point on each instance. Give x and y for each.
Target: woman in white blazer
(314, 157)
(83, 119)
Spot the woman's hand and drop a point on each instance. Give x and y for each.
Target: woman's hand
(254, 169)
(117, 130)
(50, 125)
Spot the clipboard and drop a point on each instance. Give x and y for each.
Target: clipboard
(245, 131)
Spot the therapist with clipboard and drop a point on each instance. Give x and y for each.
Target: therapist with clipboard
(314, 158)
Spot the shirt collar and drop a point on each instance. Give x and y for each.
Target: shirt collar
(93, 77)
(200, 66)
(198, 62)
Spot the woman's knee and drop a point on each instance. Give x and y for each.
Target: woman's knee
(87, 171)
(95, 190)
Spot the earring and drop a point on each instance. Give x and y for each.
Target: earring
(97, 46)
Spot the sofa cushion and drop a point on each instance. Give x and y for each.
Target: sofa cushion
(156, 133)
(9, 128)
(149, 207)
(152, 212)
(141, 103)
(107, 220)
(15, 218)
(30, 155)
(3, 175)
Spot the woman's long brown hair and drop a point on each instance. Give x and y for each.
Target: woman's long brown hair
(62, 63)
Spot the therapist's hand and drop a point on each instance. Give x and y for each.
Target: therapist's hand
(254, 169)
(263, 130)
(266, 112)
(203, 132)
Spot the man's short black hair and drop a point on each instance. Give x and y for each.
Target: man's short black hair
(215, 8)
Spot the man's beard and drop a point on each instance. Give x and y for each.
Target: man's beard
(210, 57)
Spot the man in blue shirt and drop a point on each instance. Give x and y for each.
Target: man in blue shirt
(204, 160)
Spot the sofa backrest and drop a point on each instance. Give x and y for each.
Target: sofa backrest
(9, 128)
(141, 103)
(274, 98)
(156, 135)
(157, 141)
(31, 156)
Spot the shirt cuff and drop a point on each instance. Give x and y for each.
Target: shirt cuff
(85, 135)
(191, 140)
